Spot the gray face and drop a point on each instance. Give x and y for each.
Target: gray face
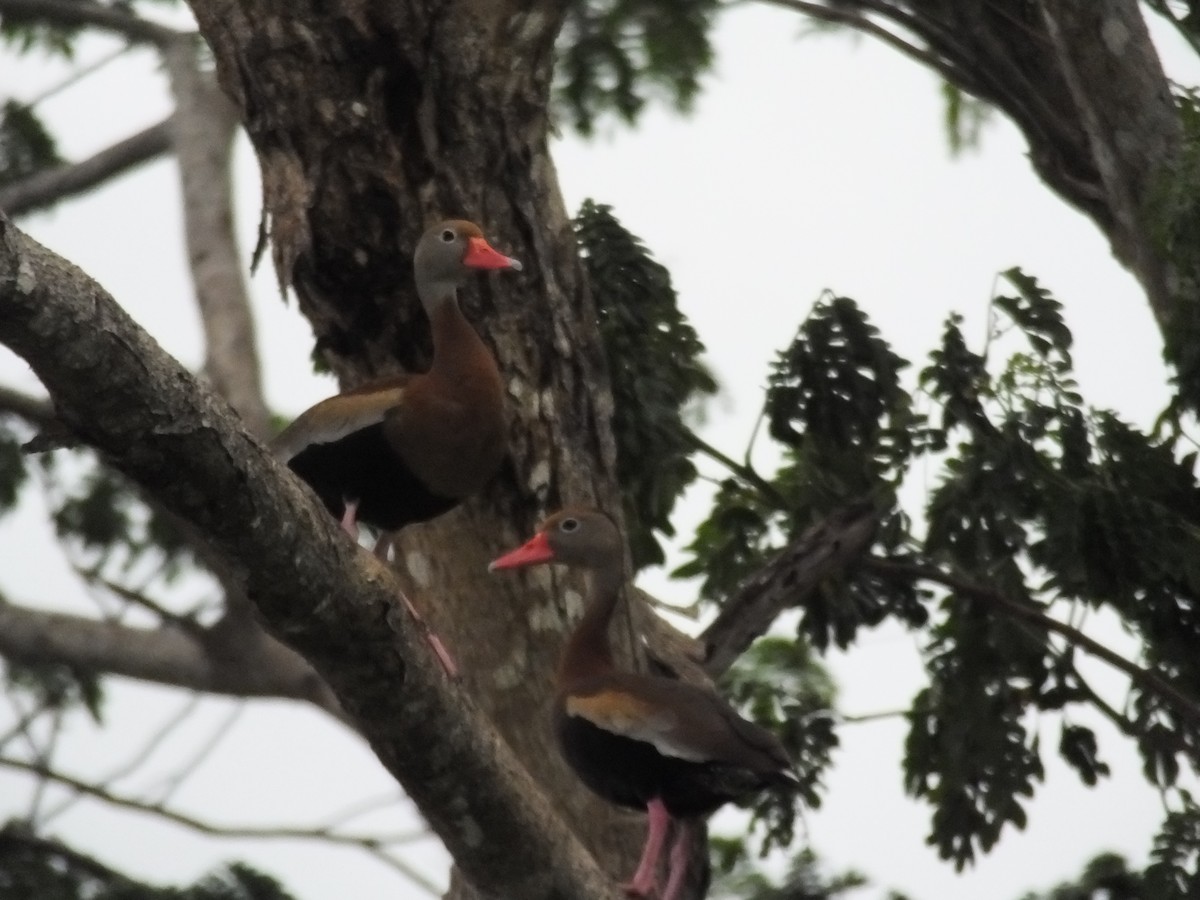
(439, 256)
(583, 537)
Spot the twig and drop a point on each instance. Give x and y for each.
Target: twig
(185, 771)
(147, 750)
(373, 845)
(77, 75)
(43, 755)
(744, 472)
(1145, 678)
(39, 413)
(839, 16)
(48, 187)
(363, 807)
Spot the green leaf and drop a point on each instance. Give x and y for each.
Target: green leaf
(656, 369)
(26, 147)
(614, 56)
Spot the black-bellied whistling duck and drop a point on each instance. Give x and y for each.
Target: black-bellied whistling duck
(673, 749)
(407, 448)
(410, 447)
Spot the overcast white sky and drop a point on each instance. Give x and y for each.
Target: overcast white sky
(808, 164)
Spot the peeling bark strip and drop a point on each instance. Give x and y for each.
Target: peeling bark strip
(329, 600)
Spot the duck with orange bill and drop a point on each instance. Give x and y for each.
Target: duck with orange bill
(675, 750)
(409, 447)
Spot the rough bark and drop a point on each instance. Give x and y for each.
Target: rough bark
(167, 655)
(329, 599)
(369, 121)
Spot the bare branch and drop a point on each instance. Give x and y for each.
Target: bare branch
(371, 843)
(205, 123)
(116, 18)
(163, 656)
(38, 413)
(823, 550)
(1144, 678)
(52, 185)
(332, 601)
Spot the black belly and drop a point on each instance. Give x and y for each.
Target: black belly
(631, 773)
(362, 466)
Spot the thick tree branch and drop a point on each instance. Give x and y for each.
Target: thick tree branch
(167, 656)
(49, 187)
(116, 18)
(327, 598)
(823, 550)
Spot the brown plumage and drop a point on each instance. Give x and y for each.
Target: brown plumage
(408, 448)
(642, 741)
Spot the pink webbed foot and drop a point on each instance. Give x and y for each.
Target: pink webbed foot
(350, 519)
(678, 862)
(645, 880)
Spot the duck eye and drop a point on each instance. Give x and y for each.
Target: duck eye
(568, 525)
(448, 236)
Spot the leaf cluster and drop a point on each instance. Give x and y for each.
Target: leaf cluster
(36, 868)
(780, 685)
(847, 430)
(615, 55)
(656, 371)
(1043, 506)
(737, 878)
(26, 146)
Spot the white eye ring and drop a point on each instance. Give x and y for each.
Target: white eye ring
(448, 236)
(568, 525)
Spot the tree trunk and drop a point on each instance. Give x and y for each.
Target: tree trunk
(369, 122)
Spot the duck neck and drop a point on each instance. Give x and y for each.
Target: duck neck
(588, 653)
(457, 348)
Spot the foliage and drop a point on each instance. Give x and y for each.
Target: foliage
(1043, 506)
(737, 878)
(779, 684)
(1174, 202)
(655, 367)
(55, 685)
(12, 469)
(1106, 876)
(102, 514)
(26, 147)
(847, 430)
(615, 54)
(965, 117)
(36, 868)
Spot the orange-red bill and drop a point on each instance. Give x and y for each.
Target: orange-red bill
(481, 255)
(536, 550)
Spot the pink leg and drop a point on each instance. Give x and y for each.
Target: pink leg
(435, 642)
(350, 519)
(678, 863)
(644, 879)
